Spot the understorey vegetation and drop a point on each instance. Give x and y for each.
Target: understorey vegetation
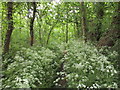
(59, 44)
(42, 67)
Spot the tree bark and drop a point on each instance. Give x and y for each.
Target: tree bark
(100, 13)
(83, 19)
(10, 27)
(40, 33)
(48, 38)
(67, 29)
(32, 24)
(66, 32)
(77, 27)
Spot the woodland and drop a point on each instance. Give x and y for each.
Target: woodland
(60, 44)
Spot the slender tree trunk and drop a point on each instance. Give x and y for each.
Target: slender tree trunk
(99, 13)
(74, 30)
(83, 19)
(48, 38)
(67, 29)
(77, 27)
(40, 31)
(10, 27)
(66, 32)
(32, 24)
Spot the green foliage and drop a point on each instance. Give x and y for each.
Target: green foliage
(84, 67)
(31, 68)
(46, 17)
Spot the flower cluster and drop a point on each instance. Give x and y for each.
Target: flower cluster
(31, 68)
(86, 67)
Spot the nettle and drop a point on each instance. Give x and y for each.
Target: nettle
(86, 67)
(31, 68)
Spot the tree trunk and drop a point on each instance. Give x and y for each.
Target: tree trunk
(67, 32)
(10, 27)
(32, 24)
(48, 38)
(99, 14)
(40, 29)
(66, 40)
(83, 19)
(77, 27)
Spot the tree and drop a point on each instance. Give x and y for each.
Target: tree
(113, 34)
(77, 27)
(51, 31)
(66, 40)
(99, 15)
(32, 24)
(10, 27)
(83, 19)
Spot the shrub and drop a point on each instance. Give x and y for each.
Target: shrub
(31, 68)
(86, 67)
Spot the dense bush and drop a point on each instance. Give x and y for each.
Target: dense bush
(85, 66)
(31, 68)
